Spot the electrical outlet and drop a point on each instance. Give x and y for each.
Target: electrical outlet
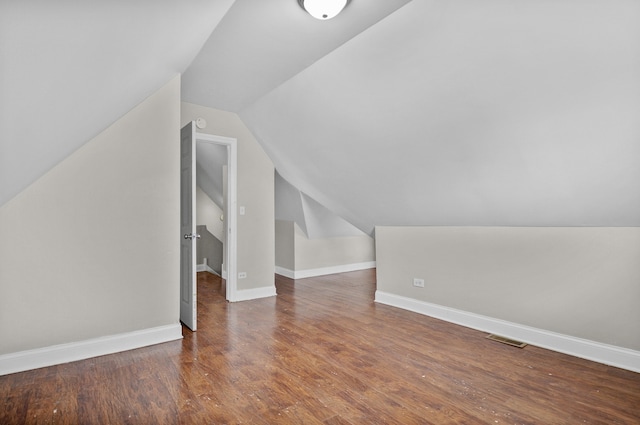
(418, 282)
(242, 275)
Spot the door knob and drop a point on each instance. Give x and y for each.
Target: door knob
(192, 236)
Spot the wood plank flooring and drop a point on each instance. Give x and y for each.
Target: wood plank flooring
(322, 352)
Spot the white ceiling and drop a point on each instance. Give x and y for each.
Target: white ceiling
(70, 68)
(315, 220)
(466, 112)
(431, 112)
(210, 161)
(261, 44)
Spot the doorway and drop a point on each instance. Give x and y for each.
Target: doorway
(190, 140)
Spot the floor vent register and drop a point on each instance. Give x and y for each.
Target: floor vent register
(507, 341)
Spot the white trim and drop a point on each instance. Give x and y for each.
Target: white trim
(301, 274)
(230, 273)
(252, 294)
(598, 352)
(206, 268)
(285, 272)
(71, 352)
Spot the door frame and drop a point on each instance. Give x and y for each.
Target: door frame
(231, 262)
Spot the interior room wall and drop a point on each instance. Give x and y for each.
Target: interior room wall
(582, 282)
(285, 245)
(288, 203)
(90, 249)
(208, 214)
(209, 251)
(331, 252)
(299, 256)
(256, 233)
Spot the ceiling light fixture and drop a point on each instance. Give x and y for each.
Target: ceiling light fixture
(323, 9)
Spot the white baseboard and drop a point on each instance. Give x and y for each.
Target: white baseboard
(301, 274)
(598, 352)
(285, 272)
(206, 268)
(65, 353)
(253, 294)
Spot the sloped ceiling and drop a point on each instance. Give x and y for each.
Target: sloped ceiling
(261, 44)
(314, 219)
(456, 112)
(210, 162)
(427, 112)
(69, 69)
(469, 113)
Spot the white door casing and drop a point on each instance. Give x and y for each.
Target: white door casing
(230, 212)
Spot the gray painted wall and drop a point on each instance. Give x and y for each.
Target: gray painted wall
(581, 282)
(256, 234)
(208, 214)
(333, 251)
(297, 252)
(285, 245)
(209, 247)
(90, 249)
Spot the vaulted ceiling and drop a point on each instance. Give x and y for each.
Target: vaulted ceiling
(71, 68)
(423, 112)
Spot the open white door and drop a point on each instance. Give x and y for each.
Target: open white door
(188, 286)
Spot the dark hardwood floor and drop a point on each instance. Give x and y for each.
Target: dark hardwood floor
(322, 352)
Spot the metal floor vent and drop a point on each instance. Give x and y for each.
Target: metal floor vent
(507, 341)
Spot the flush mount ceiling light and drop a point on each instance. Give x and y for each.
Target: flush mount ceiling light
(323, 9)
